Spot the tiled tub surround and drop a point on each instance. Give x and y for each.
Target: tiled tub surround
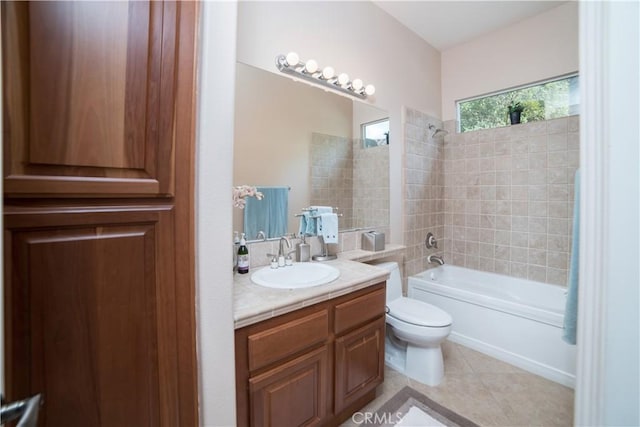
(423, 189)
(370, 185)
(508, 198)
(332, 174)
(355, 179)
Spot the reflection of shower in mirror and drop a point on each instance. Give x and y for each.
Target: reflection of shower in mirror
(437, 132)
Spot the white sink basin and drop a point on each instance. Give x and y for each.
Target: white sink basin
(296, 276)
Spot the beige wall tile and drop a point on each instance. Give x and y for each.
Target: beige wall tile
(508, 197)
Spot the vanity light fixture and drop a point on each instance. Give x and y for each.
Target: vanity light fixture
(310, 71)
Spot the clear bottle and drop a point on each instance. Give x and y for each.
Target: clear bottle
(243, 256)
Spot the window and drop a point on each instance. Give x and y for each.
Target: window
(542, 101)
(375, 133)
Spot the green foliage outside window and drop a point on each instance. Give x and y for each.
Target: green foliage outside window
(541, 102)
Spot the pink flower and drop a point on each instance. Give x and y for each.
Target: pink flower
(241, 192)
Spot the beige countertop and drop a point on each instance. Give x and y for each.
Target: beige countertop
(254, 303)
(390, 249)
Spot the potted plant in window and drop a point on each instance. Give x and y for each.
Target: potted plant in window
(515, 110)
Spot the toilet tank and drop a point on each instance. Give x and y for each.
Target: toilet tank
(394, 283)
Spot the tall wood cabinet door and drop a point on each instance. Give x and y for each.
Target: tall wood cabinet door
(89, 99)
(91, 315)
(359, 363)
(293, 394)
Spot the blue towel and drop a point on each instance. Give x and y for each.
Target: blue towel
(317, 211)
(307, 224)
(269, 214)
(571, 310)
(328, 224)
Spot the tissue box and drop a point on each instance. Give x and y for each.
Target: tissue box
(373, 241)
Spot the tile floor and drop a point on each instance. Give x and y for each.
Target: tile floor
(487, 391)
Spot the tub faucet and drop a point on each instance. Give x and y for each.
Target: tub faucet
(435, 259)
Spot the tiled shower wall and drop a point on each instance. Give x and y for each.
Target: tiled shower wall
(424, 189)
(370, 185)
(508, 198)
(332, 175)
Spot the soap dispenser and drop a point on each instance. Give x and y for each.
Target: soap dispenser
(303, 250)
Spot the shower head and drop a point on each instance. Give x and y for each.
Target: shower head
(437, 131)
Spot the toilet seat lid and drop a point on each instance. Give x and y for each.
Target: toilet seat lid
(418, 313)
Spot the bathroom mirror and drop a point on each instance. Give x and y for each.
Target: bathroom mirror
(291, 134)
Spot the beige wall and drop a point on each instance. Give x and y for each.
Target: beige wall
(357, 38)
(537, 48)
(274, 120)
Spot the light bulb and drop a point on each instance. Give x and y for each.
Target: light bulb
(356, 84)
(370, 90)
(327, 73)
(343, 79)
(292, 59)
(311, 66)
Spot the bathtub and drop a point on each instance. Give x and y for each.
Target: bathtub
(515, 320)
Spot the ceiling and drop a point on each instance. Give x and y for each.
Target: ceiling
(444, 24)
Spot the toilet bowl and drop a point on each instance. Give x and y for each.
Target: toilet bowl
(415, 331)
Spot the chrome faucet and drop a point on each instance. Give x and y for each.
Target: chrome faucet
(435, 259)
(281, 250)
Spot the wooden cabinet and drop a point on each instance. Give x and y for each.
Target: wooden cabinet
(314, 366)
(90, 97)
(359, 363)
(98, 144)
(291, 394)
(91, 314)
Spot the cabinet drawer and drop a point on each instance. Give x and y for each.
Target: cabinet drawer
(359, 310)
(287, 339)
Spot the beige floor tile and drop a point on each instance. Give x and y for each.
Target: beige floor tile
(481, 363)
(487, 391)
(454, 361)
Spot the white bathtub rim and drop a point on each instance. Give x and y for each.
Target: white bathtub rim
(503, 284)
(553, 374)
(529, 312)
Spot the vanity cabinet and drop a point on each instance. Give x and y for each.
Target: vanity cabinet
(313, 366)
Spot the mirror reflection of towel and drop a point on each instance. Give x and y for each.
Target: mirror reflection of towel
(317, 211)
(308, 224)
(328, 223)
(269, 214)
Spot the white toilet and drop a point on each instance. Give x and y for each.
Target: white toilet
(414, 333)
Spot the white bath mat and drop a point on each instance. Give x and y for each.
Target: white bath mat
(410, 408)
(418, 418)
